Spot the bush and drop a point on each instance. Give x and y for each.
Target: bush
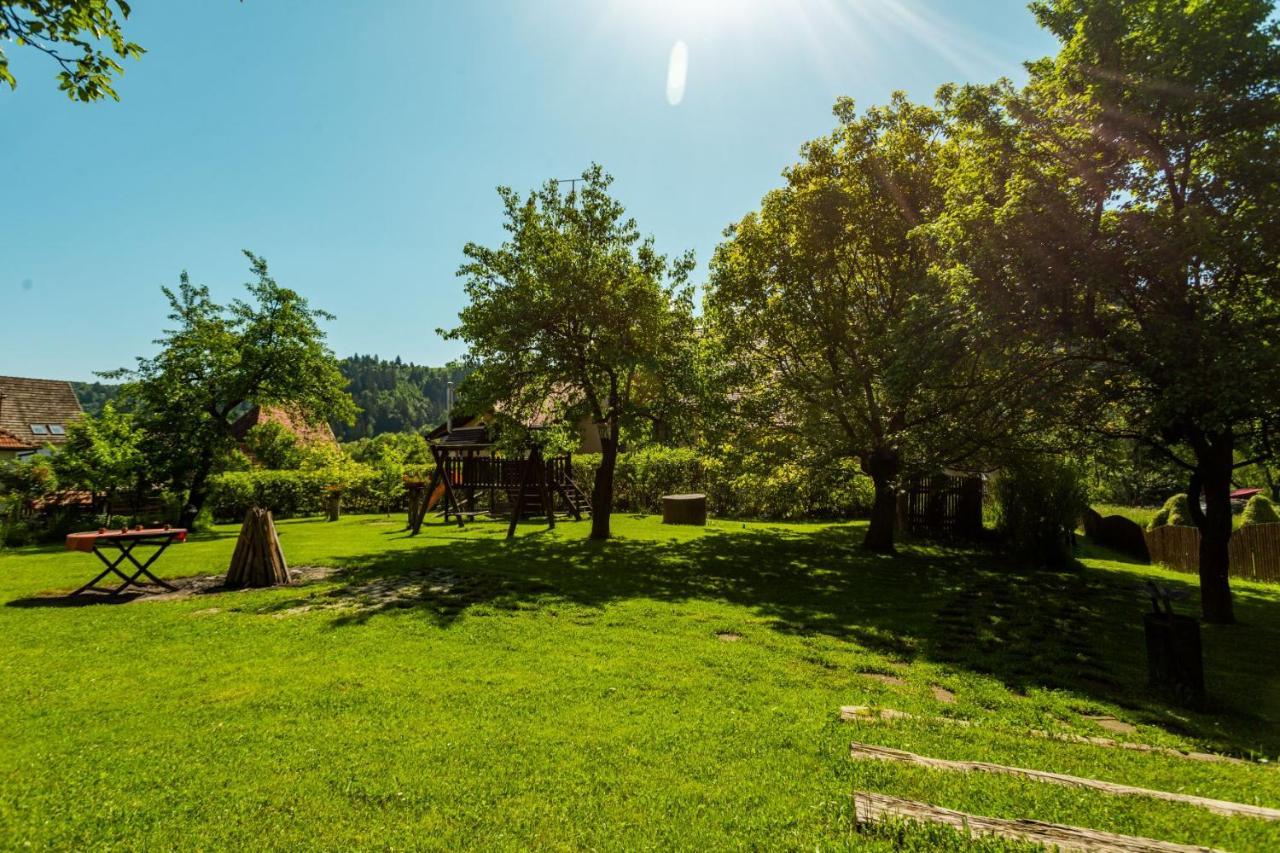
(1176, 512)
(1039, 502)
(1260, 510)
(736, 487)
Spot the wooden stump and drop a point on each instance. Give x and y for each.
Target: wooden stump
(684, 509)
(258, 560)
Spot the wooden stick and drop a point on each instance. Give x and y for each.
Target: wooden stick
(864, 714)
(1222, 807)
(872, 808)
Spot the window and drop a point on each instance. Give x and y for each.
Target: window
(39, 429)
(56, 429)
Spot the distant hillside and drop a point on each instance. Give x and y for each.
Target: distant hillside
(93, 395)
(394, 396)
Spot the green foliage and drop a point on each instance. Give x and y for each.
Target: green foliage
(94, 395)
(1040, 500)
(217, 359)
(1174, 513)
(81, 36)
(102, 454)
(274, 446)
(737, 486)
(395, 396)
(1260, 510)
(835, 326)
(22, 481)
(576, 314)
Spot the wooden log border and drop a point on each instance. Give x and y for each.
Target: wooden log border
(868, 752)
(871, 809)
(865, 714)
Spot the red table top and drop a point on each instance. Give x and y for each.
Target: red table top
(87, 541)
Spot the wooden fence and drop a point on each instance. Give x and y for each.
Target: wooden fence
(1254, 550)
(942, 507)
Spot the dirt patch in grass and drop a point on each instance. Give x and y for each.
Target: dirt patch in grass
(728, 636)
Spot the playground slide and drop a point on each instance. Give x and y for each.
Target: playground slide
(438, 492)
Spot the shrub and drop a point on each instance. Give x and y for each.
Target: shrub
(1175, 513)
(1260, 510)
(750, 486)
(1039, 502)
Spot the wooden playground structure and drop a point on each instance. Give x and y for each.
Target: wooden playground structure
(470, 480)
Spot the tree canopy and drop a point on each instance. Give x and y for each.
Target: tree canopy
(834, 318)
(1124, 202)
(576, 313)
(83, 37)
(219, 359)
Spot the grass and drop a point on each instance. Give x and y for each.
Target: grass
(456, 690)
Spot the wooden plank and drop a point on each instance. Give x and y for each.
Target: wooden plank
(863, 714)
(871, 809)
(1222, 807)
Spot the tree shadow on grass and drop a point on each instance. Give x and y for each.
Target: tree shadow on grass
(1078, 630)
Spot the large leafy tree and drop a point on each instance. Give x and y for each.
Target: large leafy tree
(217, 359)
(103, 454)
(841, 332)
(1124, 206)
(84, 38)
(576, 313)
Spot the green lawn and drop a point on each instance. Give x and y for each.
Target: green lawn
(458, 690)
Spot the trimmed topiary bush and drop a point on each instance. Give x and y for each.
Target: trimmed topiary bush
(1260, 510)
(1175, 513)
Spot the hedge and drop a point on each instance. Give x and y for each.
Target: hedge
(750, 488)
(754, 488)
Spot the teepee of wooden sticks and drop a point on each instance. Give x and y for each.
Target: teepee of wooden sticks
(258, 560)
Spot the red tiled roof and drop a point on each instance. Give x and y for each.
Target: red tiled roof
(320, 433)
(9, 441)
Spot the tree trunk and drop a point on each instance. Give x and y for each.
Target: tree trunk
(883, 465)
(199, 490)
(602, 493)
(1213, 478)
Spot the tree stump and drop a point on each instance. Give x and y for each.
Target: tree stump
(684, 509)
(258, 560)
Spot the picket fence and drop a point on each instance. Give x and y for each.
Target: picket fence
(1254, 550)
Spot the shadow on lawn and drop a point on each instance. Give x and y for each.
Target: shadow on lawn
(1077, 630)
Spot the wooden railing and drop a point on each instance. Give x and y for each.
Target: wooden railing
(1254, 550)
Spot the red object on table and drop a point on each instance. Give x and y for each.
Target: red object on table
(125, 541)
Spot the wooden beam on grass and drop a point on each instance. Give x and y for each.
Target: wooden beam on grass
(865, 714)
(871, 809)
(867, 752)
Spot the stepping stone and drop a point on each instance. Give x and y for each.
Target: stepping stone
(1111, 724)
(943, 695)
(728, 636)
(885, 678)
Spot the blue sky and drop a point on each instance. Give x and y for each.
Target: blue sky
(357, 145)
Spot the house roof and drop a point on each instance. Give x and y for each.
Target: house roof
(37, 410)
(307, 433)
(9, 441)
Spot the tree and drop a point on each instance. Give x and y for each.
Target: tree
(829, 309)
(576, 313)
(274, 446)
(219, 359)
(90, 31)
(103, 454)
(1126, 207)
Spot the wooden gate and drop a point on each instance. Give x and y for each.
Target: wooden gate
(944, 507)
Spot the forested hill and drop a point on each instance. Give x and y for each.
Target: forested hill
(394, 396)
